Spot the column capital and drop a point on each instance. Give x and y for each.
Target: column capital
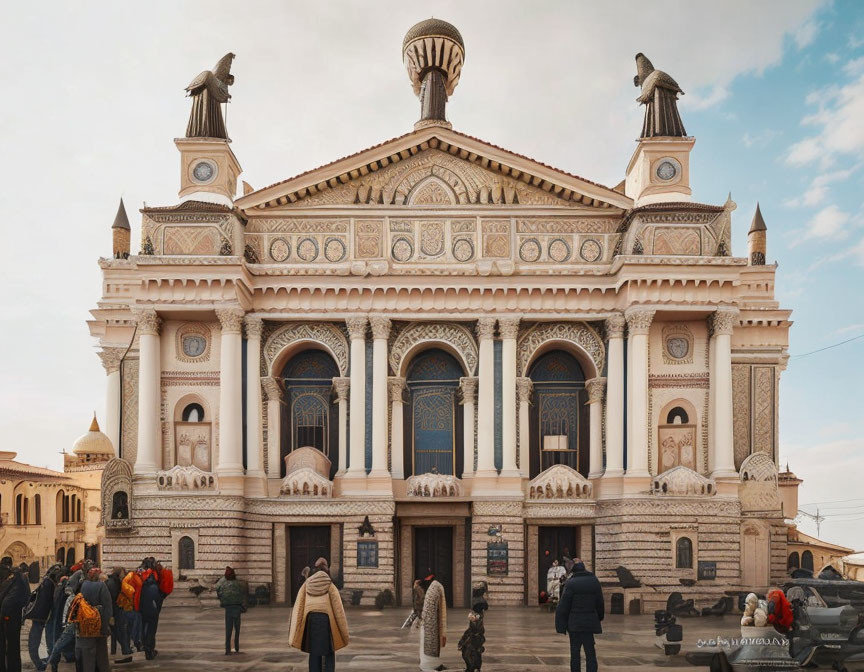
(615, 326)
(148, 321)
(596, 388)
(395, 387)
(380, 326)
(254, 327)
(341, 386)
(111, 358)
(485, 328)
(271, 388)
(723, 320)
(357, 327)
(231, 319)
(468, 386)
(639, 320)
(508, 327)
(524, 388)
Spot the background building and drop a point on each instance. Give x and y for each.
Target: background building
(439, 355)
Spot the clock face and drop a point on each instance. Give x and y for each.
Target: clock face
(203, 171)
(194, 345)
(667, 170)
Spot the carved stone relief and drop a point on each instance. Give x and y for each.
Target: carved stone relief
(741, 412)
(677, 344)
(367, 238)
(560, 482)
(677, 240)
(456, 336)
(129, 439)
(192, 342)
(758, 490)
(434, 485)
(763, 409)
(116, 495)
(577, 333)
(185, 478)
(496, 238)
(324, 333)
(682, 481)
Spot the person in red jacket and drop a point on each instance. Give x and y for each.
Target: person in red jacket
(132, 582)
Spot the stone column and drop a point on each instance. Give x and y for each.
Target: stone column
(396, 386)
(615, 397)
(468, 397)
(254, 409)
(486, 399)
(722, 323)
(596, 387)
(380, 334)
(357, 397)
(230, 462)
(524, 388)
(638, 326)
(341, 387)
(509, 330)
(149, 457)
(111, 361)
(274, 423)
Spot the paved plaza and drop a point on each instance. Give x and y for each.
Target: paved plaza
(517, 640)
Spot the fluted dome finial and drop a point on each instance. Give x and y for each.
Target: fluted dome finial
(433, 53)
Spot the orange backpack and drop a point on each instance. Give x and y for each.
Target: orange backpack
(86, 617)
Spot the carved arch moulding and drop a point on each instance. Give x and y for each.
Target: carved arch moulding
(116, 478)
(323, 334)
(458, 339)
(577, 334)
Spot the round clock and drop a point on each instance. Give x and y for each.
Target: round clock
(203, 171)
(667, 170)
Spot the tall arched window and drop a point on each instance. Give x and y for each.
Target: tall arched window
(37, 509)
(78, 516)
(559, 417)
(793, 562)
(19, 509)
(186, 551)
(308, 408)
(435, 418)
(193, 413)
(73, 502)
(807, 560)
(61, 507)
(120, 506)
(61, 555)
(70, 556)
(684, 553)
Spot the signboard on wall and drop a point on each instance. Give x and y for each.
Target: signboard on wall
(367, 553)
(497, 558)
(707, 570)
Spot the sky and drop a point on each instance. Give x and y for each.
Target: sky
(93, 96)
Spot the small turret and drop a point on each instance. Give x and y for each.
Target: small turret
(121, 232)
(756, 239)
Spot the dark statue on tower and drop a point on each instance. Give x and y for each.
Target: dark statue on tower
(208, 91)
(660, 98)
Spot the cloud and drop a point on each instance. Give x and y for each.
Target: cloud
(819, 189)
(854, 67)
(832, 57)
(849, 328)
(827, 224)
(760, 139)
(805, 33)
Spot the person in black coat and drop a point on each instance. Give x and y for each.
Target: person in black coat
(579, 613)
(15, 594)
(40, 614)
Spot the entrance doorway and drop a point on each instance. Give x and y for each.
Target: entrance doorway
(307, 543)
(553, 543)
(433, 554)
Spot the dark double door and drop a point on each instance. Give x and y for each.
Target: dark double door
(433, 554)
(553, 543)
(306, 544)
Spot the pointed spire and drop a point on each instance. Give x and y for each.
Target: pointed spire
(758, 223)
(94, 426)
(121, 221)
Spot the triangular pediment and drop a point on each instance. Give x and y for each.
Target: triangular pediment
(433, 167)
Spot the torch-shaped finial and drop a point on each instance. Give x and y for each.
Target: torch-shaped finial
(433, 53)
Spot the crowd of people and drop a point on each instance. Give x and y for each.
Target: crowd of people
(76, 611)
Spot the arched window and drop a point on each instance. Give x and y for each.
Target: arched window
(19, 509)
(193, 413)
(61, 507)
(120, 506)
(684, 553)
(37, 509)
(435, 435)
(308, 408)
(186, 551)
(70, 556)
(61, 555)
(78, 516)
(793, 562)
(559, 417)
(73, 502)
(807, 560)
(677, 416)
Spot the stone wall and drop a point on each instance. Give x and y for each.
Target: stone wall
(503, 590)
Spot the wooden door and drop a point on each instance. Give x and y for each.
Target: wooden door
(433, 554)
(307, 543)
(552, 544)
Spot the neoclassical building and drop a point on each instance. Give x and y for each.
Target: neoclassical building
(437, 354)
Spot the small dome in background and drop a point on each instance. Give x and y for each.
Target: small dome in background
(94, 442)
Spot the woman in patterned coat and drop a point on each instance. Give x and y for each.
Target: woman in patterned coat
(433, 626)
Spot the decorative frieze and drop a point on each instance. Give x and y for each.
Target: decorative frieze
(560, 482)
(321, 333)
(434, 485)
(185, 478)
(577, 333)
(455, 335)
(683, 482)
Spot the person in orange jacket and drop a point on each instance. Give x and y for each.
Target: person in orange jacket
(131, 586)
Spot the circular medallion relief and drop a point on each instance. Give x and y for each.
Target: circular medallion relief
(530, 250)
(559, 250)
(334, 249)
(307, 249)
(280, 249)
(678, 347)
(194, 345)
(590, 250)
(463, 249)
(667, 169)
(204, 171)
(402, 249)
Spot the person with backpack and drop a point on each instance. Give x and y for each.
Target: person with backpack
(38, 611)
(15, 593)
(131, 589)
(119, 631)
(92, 612)
(150, 605)
(66, 633)
(232, 596)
